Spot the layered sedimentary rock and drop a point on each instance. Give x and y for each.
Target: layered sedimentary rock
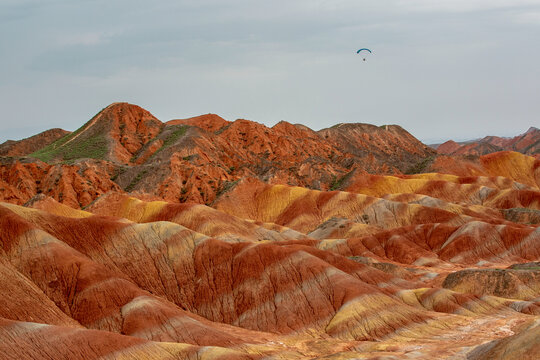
(202, 238)
(527, 143)
(160, 281)
(75, 185)
(197, 159)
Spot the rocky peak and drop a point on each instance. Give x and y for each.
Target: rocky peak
(208, 122)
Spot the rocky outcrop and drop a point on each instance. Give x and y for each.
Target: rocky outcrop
(75, 185)
(521, 284)
(198, 159)
(387, 148)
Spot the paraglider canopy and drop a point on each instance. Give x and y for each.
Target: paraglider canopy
(366, 51)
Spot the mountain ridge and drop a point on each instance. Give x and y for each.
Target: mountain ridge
(527, 143)
(203, 238)
(170, 159)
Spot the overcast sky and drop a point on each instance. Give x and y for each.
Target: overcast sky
(442, 69)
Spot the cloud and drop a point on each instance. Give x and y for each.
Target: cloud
(532, 17)
(437, 64)
(463, 5)
(86, 39)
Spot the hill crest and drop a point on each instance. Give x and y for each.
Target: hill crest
(125, 148)
(527, 143)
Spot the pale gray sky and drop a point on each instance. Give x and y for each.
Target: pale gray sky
(440, 68)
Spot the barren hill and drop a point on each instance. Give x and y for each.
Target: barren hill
(527, 143)
(156, 277)
(196, 159)
(202, 238)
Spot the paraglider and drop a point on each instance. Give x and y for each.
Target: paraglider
(365, 53)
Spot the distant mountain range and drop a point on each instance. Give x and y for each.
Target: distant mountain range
(527, 143)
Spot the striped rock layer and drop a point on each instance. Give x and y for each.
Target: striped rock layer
(192, 239)
(396, 267)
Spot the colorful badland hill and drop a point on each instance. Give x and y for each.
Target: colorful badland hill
(527, 143)
(208, 239)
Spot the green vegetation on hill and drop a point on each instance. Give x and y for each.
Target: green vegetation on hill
(136, 180)
(172, 137)
(227, 186)
(421, 166)
(337, 183)
(94, 147)
(221, 130)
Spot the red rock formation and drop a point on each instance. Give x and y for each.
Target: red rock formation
(527, 143)
(74, 185)
(477, 149)
(208, 122)
(448, 147)
(122, 277)
(97, 296)
(265, 269)
(31, 144)
(199, 158)
(389, 144)
(28, 340)
(200, 218)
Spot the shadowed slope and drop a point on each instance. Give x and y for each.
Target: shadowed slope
(22, 300)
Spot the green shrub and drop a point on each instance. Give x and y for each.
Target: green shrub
(172, 138)
(136, 180)
(421, 166)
